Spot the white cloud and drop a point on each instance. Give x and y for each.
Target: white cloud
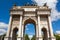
(26, 27)
(2, 31)
(58, 32)
(28, 24)
(41, 2)
(30, 36)
(55, 15)
(3, 27)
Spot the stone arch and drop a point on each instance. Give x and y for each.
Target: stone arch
(34, 19)
(14, 34)
(29, 21)
(44, 32)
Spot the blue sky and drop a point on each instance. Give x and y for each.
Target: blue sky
(30, 29)
(6, 5)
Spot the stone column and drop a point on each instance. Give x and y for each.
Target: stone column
(40, 35)
(20, 29)
(11, 34)
(37, 31)
(48, 34)
(8, 31)
(51, 30)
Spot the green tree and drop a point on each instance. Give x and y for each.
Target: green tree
(57, 37)
(33, 38)
(26, 37)
(2, 36)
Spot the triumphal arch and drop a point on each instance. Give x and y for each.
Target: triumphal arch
(38, 15)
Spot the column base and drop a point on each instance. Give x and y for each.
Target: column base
(8, 38)
(39, 38)
(19, 38)
(52, 38)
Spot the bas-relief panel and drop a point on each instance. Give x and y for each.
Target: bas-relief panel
(15, 22)
(17, 12)
(44, 12)
(30, 9)
(29, 14)
(43, 22)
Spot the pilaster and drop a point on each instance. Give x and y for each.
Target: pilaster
(48, 34)
(37, 31)
(20, 29)
(51, 30)
(40, 35)
(7, 37)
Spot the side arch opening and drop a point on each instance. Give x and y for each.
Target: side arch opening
(14, 34)
(44, 34)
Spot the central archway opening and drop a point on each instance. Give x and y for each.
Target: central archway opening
(29, 29)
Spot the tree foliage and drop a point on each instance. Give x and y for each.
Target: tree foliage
(2, 37)
(33, 38)
(57, 37)
(26, 37)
